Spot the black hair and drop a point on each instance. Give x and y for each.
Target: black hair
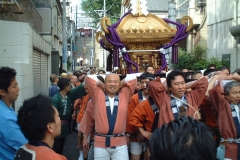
(208, 71)
(211, 65)
(101, 71)
(34, 115)
(7, 75)
(171, 76)
(100, 78)
(62, 83)
(146, 75)
(196, 72)
(149, 66)
(223, 68)
(182, 139)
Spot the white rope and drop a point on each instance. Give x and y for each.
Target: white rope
(142, 50)
(164, 51)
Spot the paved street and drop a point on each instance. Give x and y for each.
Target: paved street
(71, 151)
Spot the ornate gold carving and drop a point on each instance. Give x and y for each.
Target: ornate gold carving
(142, 19)
(99, 35)
(145, 29)
(187, 19)
(105, 21)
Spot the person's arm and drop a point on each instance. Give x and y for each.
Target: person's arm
(77, 92)
(14, 137)
(85, 142)
(157, 90)
(55, 102)
(129, 77)
(87, 122)
(138, 116)
(217, 97)
(211, 84)
(234, 76)
(93, 86)
(198, 90)
(145, 133)
(54, 90)
(190, 84)
(131, 106)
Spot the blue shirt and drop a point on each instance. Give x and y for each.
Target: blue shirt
(53, 89)
(11, 137)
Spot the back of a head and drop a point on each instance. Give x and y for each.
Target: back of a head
(171, 76)
(33, 117)
(53, 77)
(196, 75)
(182, 139)
(211, 66)
(64, 75)
(147, 75)
(237, 71)
(7, 75)
(62, 83)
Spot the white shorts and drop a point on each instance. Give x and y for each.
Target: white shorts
(78, 126)
(137, 148)
(118, 153)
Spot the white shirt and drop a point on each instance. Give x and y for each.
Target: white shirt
(111, 102)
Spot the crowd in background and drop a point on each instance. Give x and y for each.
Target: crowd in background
(173, 115)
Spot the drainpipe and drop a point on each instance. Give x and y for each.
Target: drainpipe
(236, 54)
(191, 12)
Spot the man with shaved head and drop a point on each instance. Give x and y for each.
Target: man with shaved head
(53, 89)
(110, 101)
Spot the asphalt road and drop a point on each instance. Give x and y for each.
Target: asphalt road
(71, 151)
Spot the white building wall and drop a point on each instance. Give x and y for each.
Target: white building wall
(16, 46)
(220, 19)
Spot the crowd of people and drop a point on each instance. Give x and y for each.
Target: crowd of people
(174, 115)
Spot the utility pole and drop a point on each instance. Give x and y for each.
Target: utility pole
(64, 47)
(104, 52)
(76, 17)
(104, 8)
(172, 17)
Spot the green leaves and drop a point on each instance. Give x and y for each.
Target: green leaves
(196, 59)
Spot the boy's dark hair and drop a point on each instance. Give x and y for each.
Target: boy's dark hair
(237, 71)
(7, 75)
(149, 66)
(101, 71)
(182, 139)
(171, 76)
(211, 65)
(33, 117)
(146, 75)
(196, 72)
(208, 71)
(62, 83)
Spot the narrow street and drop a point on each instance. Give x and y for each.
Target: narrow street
(71, 151)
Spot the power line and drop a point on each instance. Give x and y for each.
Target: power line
(111, 5)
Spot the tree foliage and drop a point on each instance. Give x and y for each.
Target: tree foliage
(113, 8)
(196, 59)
